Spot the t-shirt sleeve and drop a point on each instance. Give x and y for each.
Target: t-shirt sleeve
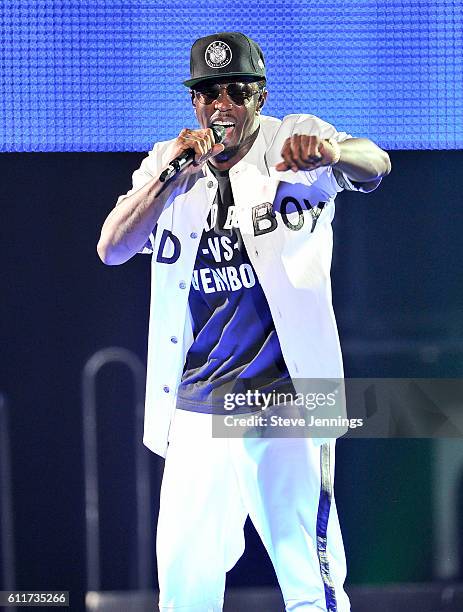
(329, 176)
(340, 179)
(143, 174)
(345, 182)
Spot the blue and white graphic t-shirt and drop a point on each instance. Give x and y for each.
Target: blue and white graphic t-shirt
(234, 335)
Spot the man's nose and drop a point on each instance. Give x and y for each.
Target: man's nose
(223, 100)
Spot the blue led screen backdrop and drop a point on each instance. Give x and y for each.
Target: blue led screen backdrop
(102, 75)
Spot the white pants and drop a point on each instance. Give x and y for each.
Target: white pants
(209, 487)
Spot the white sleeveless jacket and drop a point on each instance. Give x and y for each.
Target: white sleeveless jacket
(285, 221)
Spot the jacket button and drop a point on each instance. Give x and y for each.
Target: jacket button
(166, 389)
(182, 285)
(174, 340)
(193, 235)
(210, 184)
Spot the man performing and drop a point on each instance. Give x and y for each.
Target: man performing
(241, 244)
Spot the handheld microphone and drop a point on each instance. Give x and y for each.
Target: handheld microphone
(187, 157)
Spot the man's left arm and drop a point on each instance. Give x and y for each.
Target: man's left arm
(362, 161)
(359, 159)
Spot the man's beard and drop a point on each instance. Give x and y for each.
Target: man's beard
(230, 152)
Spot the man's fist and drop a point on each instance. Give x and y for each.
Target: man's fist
(301, 152)
(203, 144)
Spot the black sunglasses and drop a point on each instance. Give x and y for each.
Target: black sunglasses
(239, 93)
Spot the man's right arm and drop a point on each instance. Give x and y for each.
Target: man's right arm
(129, 225)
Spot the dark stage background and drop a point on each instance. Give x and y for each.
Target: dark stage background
(398, 293)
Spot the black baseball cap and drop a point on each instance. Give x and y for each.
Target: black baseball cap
(226, 54)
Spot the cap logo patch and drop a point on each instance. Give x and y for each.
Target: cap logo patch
(218, 54)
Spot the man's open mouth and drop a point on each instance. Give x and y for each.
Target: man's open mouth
(228, 125)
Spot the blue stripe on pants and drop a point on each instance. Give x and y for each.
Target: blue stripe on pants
(323, 514)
